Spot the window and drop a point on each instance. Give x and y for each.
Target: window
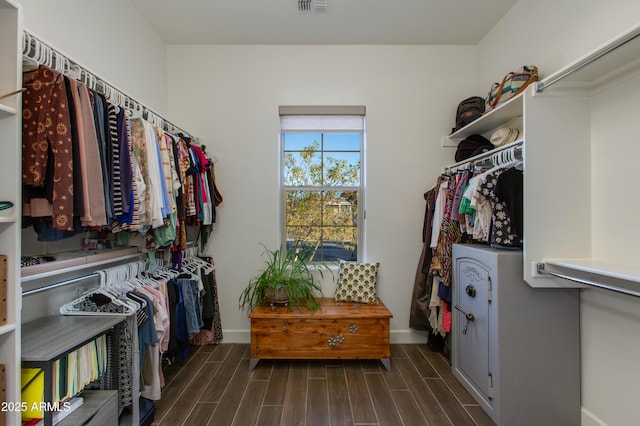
(322, 180)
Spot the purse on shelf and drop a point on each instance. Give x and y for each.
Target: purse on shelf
(512, 84)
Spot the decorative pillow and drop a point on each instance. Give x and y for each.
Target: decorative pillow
(357, 282)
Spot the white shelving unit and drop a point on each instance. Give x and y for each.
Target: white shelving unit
(10, 176)
(575, 133)
(508, 112)
(574, 222)
(50, 338)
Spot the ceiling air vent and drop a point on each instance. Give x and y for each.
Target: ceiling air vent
(317, 6)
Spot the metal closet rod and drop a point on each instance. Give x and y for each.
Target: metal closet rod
(99, 84)
(517, 145)
(541, 85)
(58, 284)
(541, 269)
(124, 259)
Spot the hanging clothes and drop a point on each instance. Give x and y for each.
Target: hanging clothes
(479, 206)
(47, 160)
(211, 330)
(449, 233)
(419, 313)
(78, 184)
(86, 164)
(116, 182)
(179, 338)
(99, 108)
(507, 199)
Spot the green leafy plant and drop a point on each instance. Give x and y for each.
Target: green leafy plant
(289, 272)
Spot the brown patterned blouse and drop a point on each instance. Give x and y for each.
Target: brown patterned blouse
(46, 126)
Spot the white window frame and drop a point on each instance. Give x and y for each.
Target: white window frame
(310, 120)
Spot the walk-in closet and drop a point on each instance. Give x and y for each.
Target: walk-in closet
(467, 268)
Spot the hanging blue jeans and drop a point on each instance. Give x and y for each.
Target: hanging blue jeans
(192, 304)
(181, 333)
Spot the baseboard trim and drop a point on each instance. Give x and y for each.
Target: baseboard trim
(408, 336)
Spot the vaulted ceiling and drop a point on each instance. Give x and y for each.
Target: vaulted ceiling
(343, 22)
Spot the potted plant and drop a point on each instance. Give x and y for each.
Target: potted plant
(286, 280)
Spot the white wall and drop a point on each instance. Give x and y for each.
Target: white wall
(230, 96)
(610, 322)
(550, 34)
(110, 38)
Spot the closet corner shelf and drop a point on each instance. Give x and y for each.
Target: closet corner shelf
(493, 119)
(46, 338)
(622, 278)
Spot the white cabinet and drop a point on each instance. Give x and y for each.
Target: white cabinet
(516, 349)
(10, 160)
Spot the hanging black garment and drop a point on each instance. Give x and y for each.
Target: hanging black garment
(78, 199)
(509, 190)
(210, 306)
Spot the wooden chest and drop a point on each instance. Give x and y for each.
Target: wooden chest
(338, 330)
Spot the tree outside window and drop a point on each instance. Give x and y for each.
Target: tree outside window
(321, 189)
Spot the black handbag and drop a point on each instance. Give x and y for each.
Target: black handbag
(468, 110)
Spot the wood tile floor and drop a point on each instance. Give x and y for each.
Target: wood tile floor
(215, 387)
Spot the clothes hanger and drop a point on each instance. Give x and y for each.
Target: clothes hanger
(163, 272)
(48, 56)
(139, 301)
(37, 50)
(28, 54)
(58, 62)
(26, 44)
(122, 278)
(120, 98)
(80, 305)
(206, 266)
(135, 109)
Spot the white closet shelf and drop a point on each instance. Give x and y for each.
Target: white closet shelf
(6, 111)
(493, 119)
(619, 277)
(49, 337)
(95, 401)
(8, 217)
(7, 328)
(76, 260)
